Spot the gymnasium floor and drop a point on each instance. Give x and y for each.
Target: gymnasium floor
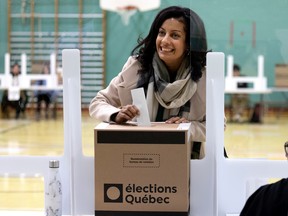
(45, 137)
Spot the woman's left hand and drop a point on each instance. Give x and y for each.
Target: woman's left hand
(177, 120)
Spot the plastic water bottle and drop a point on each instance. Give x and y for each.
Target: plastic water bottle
(53, 195)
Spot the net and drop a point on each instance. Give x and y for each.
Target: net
(126, 13)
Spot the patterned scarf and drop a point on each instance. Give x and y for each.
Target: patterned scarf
(173, 97)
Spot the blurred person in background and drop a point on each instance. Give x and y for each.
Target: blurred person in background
(20, 104)
(46, 96)
(239, 102)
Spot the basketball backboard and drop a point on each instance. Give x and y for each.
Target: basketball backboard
(141, 5)
(127, 8)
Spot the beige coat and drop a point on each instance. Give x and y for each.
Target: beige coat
(117, 94)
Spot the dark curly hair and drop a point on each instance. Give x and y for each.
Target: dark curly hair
(195, 40)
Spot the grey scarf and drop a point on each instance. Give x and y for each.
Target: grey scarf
(174, 97)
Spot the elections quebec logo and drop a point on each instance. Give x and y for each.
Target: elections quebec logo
(136, 194)
(113, 193)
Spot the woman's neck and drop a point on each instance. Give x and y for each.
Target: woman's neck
(172, 76)
(173, 68)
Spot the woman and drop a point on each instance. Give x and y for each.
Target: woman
(48, 96)
(18, 105)
(170, 65)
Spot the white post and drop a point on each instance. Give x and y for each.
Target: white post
(53, 81)
(203, 187)
(53, 64)
(81, 167)
(23, 64)
(7, 64)
(230, 66)
(71, 68)
(260, 66)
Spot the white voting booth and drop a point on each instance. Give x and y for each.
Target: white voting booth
(25, 80)
(258, 83)
(218, 185)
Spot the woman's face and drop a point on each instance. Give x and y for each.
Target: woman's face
(170, 43)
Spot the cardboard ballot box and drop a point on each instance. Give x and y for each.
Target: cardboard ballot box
(142, 170)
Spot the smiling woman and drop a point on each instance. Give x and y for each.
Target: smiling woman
(169, 64)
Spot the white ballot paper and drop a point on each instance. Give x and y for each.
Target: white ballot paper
(139, 100)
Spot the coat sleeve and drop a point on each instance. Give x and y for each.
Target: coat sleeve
(198, 130)
(109, 100)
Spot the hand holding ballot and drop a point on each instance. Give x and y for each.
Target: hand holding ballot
(126, 113)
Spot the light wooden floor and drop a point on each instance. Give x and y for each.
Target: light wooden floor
(45, 137)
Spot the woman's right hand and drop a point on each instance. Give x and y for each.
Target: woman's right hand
(127, 113)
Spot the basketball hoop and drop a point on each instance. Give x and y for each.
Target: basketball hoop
(126, 13)
(127, 8)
